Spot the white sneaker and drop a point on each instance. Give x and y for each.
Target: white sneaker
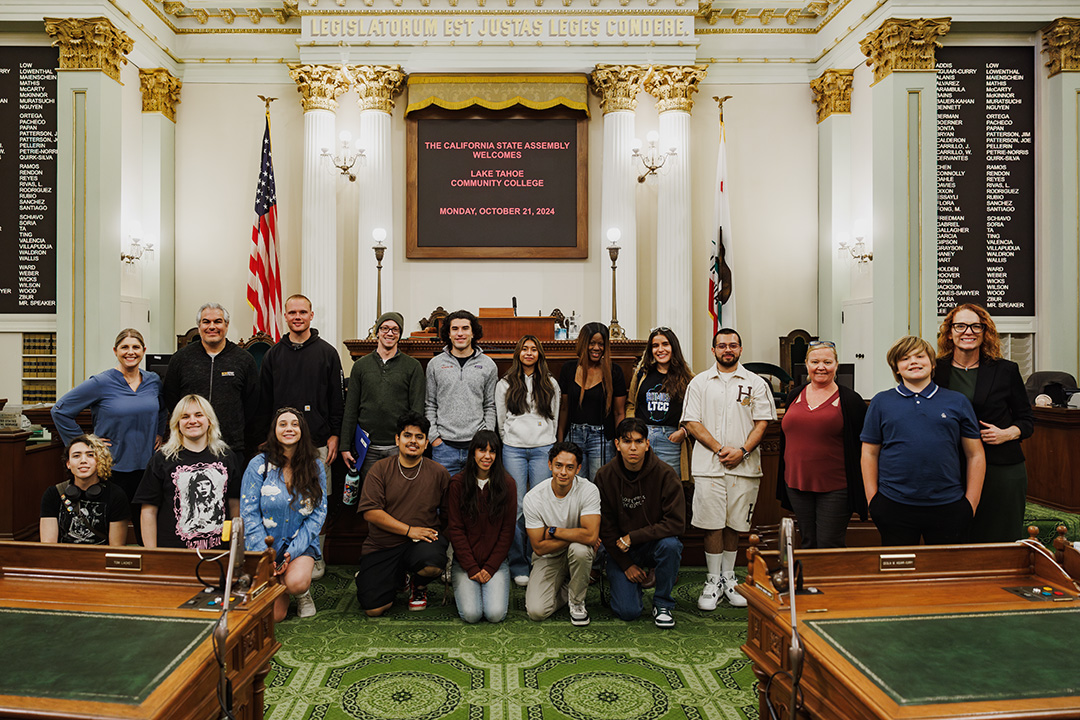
(579, 616)
(710, 594)
(521, 580)
(305, 605)
(319, 570)
(732, 595)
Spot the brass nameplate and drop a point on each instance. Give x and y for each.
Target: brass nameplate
(905, 561)
(123, 561)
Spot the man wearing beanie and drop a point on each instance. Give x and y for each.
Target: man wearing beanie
(383, 386)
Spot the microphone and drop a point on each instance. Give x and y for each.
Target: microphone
(514, 300)
(233, 531)
(795, 652)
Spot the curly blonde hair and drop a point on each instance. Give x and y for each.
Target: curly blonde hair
(991, 341)
(101, 455)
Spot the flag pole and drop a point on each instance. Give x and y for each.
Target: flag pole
(719, 270)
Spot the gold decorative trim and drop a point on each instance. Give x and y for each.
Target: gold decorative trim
(826, 9)
(160, 91)
(89, 44)
(617, 86)
(832, 93)
(672, 85)
(903, 45)
(319, 85)
(1061, 43)
(377, 85)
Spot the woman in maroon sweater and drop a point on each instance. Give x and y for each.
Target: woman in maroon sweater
(482, 504)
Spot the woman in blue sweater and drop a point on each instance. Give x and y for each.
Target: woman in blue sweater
(125, 404)
(284, 497)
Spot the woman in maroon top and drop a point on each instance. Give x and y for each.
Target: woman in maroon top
(482, 503)
(820, 478)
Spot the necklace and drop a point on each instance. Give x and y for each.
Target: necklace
(415, 475)
(972, 366)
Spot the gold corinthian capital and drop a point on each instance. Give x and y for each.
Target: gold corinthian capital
(89, 44)
(832, 93)
(903, 45)
(160, 92)
(1061, 43)
(319, 85)
(377, 85)
(618, 86)
(672, 85)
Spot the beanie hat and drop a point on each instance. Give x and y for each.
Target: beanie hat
(390, 315)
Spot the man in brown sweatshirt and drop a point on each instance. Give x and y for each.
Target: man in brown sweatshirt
(642, 513)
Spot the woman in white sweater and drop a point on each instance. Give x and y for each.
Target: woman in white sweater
(527, 405)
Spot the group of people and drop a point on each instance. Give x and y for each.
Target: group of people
(533, 479)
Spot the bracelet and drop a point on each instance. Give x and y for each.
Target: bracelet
(408, 531)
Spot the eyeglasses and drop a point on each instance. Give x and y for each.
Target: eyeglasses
(727, 346)
(389, 330)
(822, 343)
(962, 328)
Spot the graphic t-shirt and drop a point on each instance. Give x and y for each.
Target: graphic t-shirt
(191, 493)
(654, 405)
(80, 519)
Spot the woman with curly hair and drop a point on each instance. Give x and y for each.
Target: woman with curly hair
(527, 407)
(284, 497)
(190, 483)
(656, 394)
(85, 509)
(970, 362)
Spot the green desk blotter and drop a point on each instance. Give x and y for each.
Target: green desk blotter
(95, 657)
(963, 657)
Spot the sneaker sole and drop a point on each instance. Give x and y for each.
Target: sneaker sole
(415, 608)
(579, 623)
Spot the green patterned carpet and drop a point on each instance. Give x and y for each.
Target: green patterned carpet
(430, 665)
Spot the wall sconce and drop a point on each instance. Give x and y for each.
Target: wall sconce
(347, 156)
(136, 248)
(651, 157)
(857, 251)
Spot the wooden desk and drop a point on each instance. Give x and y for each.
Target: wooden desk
(964, 579)
(1053, 458)
(73, 578)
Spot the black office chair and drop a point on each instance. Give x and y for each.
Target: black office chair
(785, 382)
(1040, 382)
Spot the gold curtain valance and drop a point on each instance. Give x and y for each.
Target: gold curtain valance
(498, 92)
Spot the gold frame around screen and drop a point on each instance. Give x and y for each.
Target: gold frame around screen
(413, 248)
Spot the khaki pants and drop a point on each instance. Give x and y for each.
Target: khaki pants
(555, 580)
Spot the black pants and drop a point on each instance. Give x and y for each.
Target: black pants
(381, 571)
(128, 481)
(903, 524)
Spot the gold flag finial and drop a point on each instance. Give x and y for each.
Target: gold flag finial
(266, 100)
(720, 104)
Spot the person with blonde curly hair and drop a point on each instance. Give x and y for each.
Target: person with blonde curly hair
(85, 509)
(969, 361)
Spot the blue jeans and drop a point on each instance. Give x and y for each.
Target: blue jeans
(476, 602)
(664, 555)
(666, 450)
(597, 448)
(529, 468)
(451, 458)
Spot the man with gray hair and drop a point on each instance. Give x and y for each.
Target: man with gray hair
(220, 371)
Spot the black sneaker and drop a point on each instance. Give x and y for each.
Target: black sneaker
(663, 617)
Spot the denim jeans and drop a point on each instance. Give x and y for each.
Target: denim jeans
(529, 468)
(598, 449)
(666, 450)
(665, 555)
(476, 602)
(451, 458)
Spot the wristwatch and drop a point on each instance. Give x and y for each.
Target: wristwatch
(743, 451)
(551, 532)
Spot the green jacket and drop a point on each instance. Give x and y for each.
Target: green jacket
(379, 393)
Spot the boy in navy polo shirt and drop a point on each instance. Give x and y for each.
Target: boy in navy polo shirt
(922, 459)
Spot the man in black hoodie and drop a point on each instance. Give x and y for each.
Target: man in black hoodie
(642, 513)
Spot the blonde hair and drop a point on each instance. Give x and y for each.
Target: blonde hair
(217, 446)
(125, 334)
(908, 345)
(102, 456)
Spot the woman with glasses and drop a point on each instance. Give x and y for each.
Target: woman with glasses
(970, 362)
(820, 477)
(593, 398)
(656, 394)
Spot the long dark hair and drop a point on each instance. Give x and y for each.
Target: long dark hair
(305, 473)
(678, 375)
(583, 338)
(517, 400)
(470, 491)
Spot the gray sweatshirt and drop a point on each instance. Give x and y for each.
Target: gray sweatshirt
(460, 398)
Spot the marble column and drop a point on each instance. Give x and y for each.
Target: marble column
(160, 96)
(376, 85)
(618, 87)
(673, 86)
(903, 234)
(832, 96)
(1057, 257)
(320, 275)
(89, 132)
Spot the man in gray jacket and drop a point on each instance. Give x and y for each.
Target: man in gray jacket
(460, 391)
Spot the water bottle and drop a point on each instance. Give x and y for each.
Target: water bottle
(351, 492)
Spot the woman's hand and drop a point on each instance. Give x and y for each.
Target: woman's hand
(993, 435)
(280, 569)
(678, 436)
(481, 577)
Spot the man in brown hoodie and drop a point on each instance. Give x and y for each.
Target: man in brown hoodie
(642, 513)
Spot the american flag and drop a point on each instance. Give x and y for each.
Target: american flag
(721, 299)
(264, 279)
